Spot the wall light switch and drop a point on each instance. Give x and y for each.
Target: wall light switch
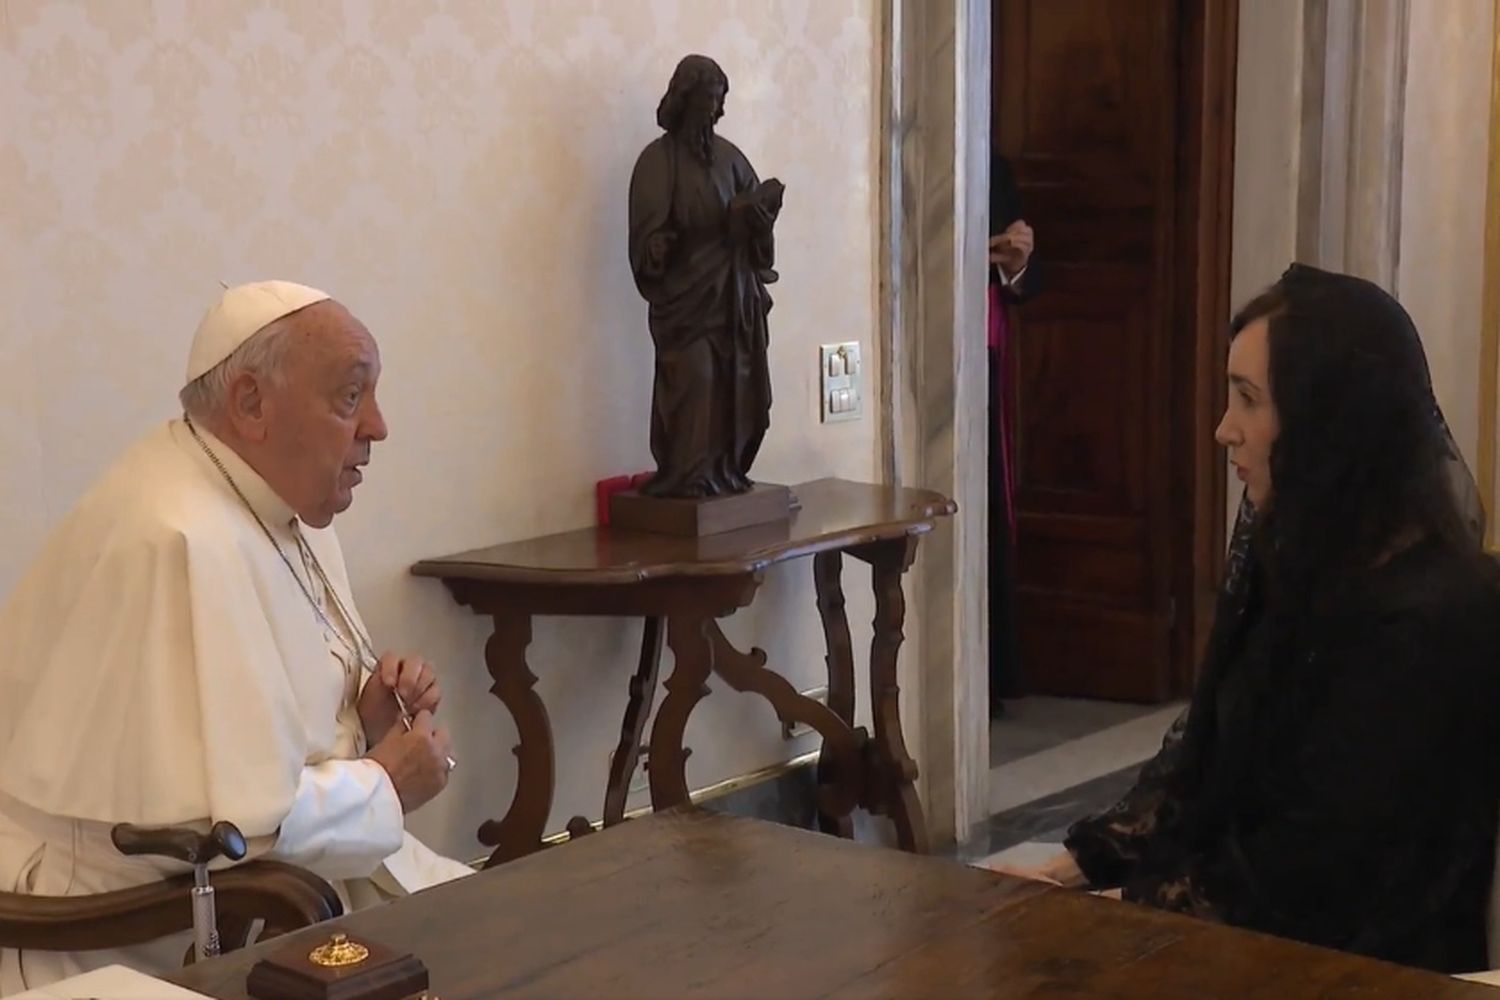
(840, 382)
(792, 730)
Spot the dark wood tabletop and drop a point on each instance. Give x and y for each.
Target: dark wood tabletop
(687, 903)
(834, 513)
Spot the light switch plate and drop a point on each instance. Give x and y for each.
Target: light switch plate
(841, 382)
(793, 730)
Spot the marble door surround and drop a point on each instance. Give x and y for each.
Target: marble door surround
(933, 206)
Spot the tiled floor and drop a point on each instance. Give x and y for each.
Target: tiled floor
(1056, 760)
(1031, 725)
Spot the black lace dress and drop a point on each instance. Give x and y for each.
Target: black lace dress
(1349, 799)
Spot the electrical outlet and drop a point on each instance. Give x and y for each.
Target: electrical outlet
(841, 382)
(793, 730)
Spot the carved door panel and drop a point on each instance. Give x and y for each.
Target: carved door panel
(1086, 111)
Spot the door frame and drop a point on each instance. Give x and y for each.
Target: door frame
(934, 137)
(932, 204)
(1205, 233)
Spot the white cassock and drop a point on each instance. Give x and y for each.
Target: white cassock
(160, 665)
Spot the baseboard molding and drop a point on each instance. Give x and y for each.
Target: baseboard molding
(784, 793)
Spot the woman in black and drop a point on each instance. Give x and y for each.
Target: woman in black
(1336, 778)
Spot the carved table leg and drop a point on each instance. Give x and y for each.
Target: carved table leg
(688, 685)
(520, 832)
(892, 785)
(839, 763)
(633, 727)
(828, 568)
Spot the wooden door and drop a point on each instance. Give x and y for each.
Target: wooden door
(1092, 109)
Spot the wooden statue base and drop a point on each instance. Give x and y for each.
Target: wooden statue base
(290, 974)
(763, 504)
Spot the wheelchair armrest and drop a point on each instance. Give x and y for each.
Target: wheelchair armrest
(284, 896)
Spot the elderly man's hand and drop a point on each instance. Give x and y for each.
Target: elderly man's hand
(416, 761)
(410, 676)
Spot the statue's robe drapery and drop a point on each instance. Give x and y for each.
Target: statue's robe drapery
(711, 402)
(160, 665)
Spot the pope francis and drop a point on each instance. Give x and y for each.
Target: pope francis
(186, 648)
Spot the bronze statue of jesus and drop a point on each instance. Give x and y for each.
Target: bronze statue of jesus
(702, 252)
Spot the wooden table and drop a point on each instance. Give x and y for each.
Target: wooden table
(687, 903)
(680, 587)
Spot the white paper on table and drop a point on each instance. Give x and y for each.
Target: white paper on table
(1490, 978)
(113, 982)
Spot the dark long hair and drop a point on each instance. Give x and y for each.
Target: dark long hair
(1364, 464)
(1363, 459)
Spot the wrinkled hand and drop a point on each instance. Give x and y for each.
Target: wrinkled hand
(1011, 250)
(417, 761)
(410, 676)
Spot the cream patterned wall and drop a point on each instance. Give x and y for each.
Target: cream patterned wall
(455, 171)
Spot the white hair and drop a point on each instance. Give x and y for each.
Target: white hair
(264, 354)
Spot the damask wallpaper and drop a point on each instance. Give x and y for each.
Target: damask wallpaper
(455, 171)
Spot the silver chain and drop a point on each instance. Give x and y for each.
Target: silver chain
(366, 655)
(364, 652)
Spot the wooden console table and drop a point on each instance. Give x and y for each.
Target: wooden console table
(681, 587)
